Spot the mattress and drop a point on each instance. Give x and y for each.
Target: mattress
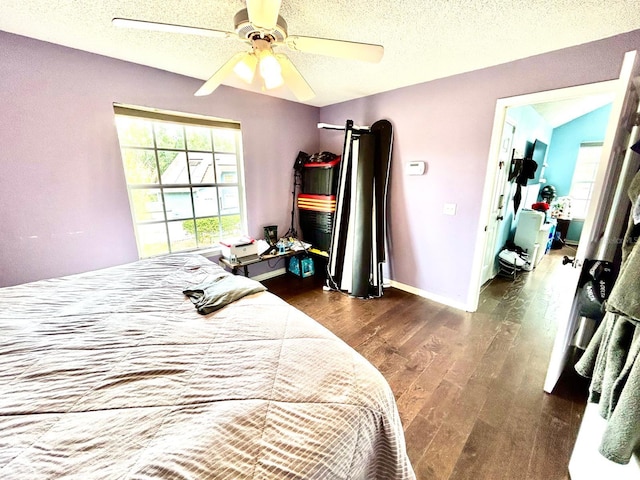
(114, 374)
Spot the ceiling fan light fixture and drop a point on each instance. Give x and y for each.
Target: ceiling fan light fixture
(246, 68)
(261, 26)
(273, 82)
(270, 70)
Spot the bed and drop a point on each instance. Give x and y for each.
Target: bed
(114, 374)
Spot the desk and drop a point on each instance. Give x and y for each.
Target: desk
(234, 266)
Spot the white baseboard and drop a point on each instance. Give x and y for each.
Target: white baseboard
(268, 275)
(387, 282)
(428, 295)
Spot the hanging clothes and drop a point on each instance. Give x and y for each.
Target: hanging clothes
(515, 169)
(526, 171)
(517, 198)
(529, 167)
(625, 297)
(612, 361)
(612, 358)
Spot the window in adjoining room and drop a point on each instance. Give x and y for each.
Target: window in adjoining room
(584, 176)
(184, 177)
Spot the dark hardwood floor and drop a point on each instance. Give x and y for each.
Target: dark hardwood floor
(468, 385)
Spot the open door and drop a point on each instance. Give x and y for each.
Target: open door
(604, 210)
(498, 203)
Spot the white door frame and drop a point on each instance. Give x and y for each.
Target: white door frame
(492, 165)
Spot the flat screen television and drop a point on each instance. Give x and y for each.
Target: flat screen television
(528, 149)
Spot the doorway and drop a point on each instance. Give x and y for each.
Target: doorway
(496, 205)
(605, 217)
(557, 136)
(539, 119)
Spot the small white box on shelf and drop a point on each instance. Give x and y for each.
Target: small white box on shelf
(239, 249)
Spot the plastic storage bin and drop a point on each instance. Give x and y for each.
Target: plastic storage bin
(316, 219)
(317, 203)
(321, 178)
(316, 228)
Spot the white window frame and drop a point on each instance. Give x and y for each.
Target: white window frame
(177, 118)
(575, 181)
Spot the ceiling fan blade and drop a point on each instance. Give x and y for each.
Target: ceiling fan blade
(336, 48)
(294, 79)
(217, 78)
(263, 13)
(168, 27)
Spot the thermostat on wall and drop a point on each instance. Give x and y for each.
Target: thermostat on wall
(416, 168)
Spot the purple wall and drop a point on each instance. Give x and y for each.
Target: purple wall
(63, 200)
(63, 197)
(448, 124)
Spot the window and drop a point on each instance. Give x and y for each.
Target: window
(584, 177)
(184, 177)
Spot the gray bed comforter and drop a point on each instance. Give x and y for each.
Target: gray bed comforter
(114, 374)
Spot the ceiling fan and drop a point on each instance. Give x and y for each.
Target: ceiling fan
(261, 26)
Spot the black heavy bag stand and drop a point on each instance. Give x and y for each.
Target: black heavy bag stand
(358, 238)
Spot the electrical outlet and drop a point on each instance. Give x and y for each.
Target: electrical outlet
(449, 209)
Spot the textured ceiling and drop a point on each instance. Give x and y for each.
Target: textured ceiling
(423, 40)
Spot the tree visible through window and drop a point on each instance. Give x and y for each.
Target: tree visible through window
(184, 179)
(584, 176)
